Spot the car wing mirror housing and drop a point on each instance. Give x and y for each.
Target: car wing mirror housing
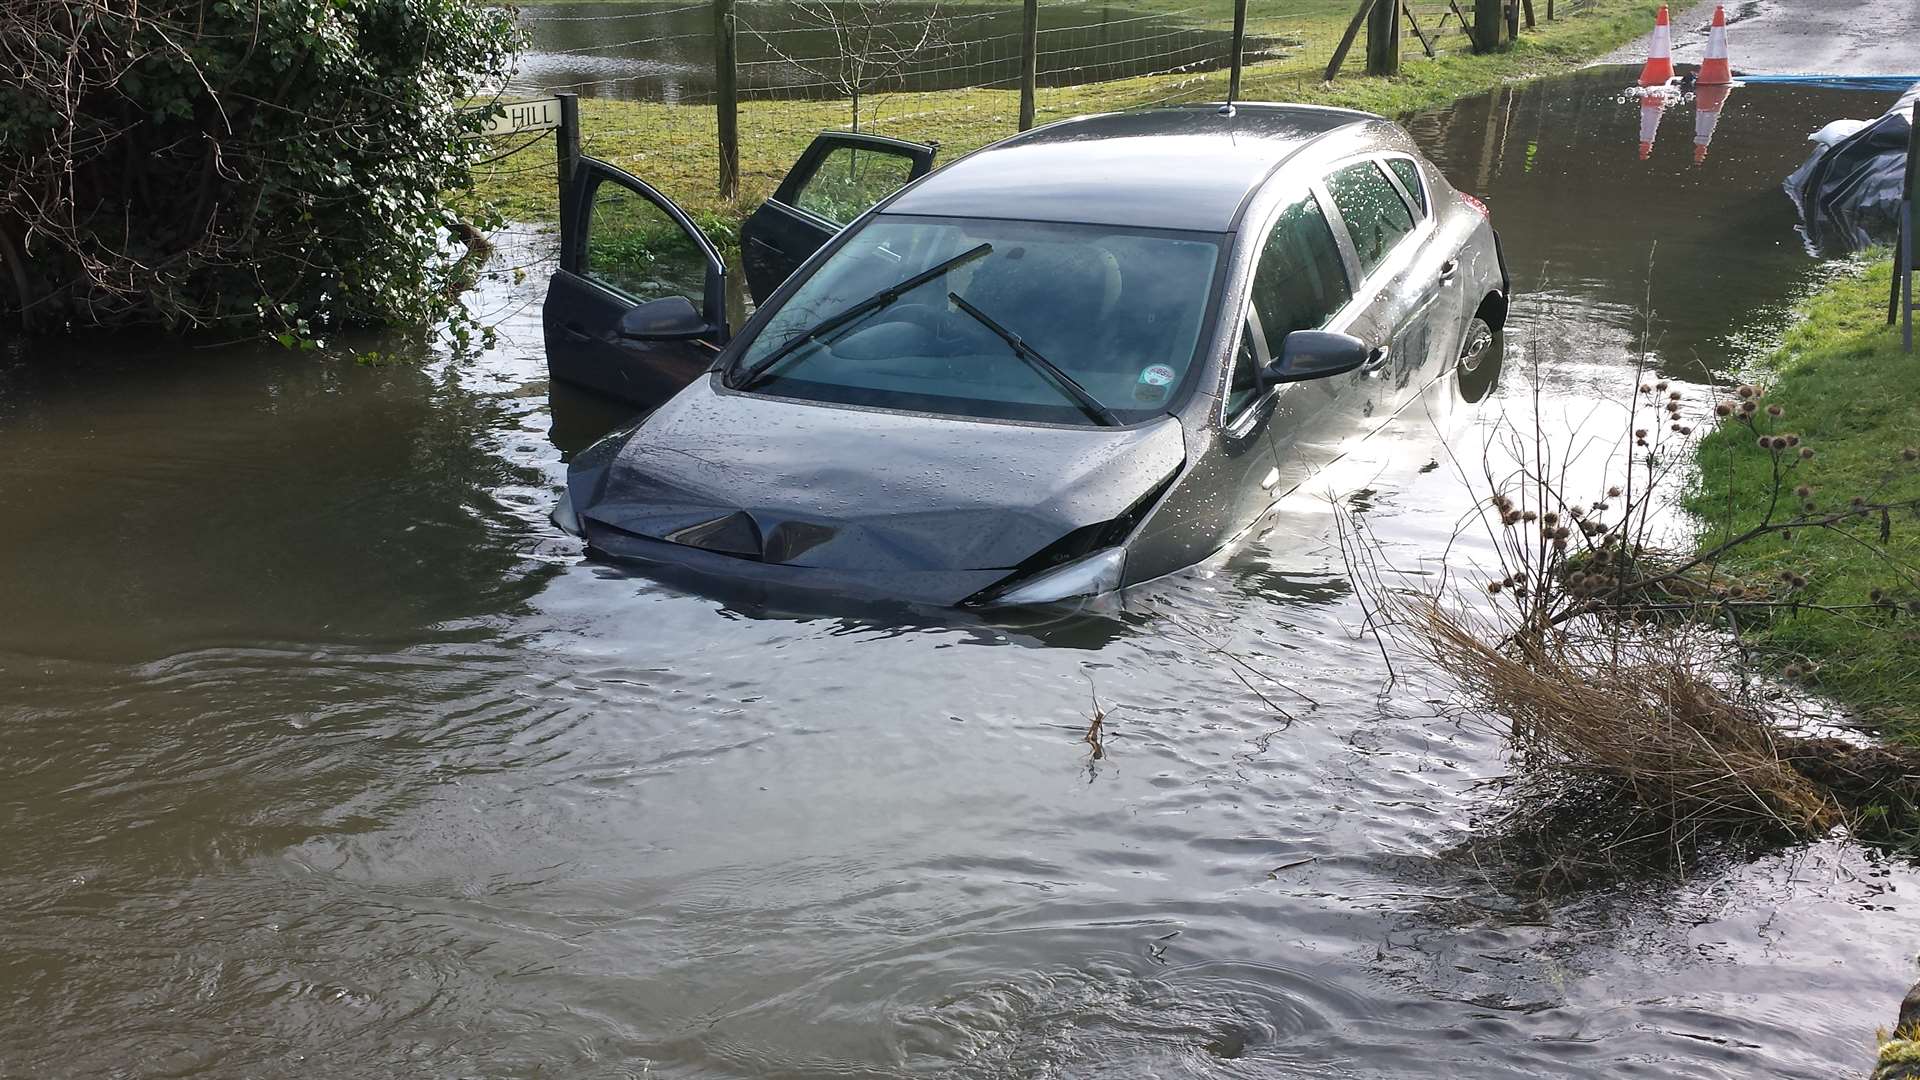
(670, 318)
(1316, 354)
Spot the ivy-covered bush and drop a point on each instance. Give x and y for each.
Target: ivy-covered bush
(261, 166)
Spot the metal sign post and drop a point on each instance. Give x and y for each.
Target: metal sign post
(566, 147)
(559, 114)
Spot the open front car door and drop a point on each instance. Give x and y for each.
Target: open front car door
(638, 307)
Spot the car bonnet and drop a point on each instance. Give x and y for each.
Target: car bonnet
(812, 485)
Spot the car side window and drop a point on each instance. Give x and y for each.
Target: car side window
(1409, 175)
(1300, 283)
(849, 180)
(1301, 280)
(637, 249)
(1376, 217)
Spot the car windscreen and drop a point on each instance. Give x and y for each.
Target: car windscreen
(1117, 311)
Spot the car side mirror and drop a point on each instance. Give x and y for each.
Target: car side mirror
(1316, 354)
(670, 318)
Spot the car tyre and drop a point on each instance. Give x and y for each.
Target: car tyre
(1482, 353)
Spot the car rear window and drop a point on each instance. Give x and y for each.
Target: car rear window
(1120, 310)
(1376, 217)
(1409, 175)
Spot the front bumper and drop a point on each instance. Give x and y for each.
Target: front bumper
(780, 583)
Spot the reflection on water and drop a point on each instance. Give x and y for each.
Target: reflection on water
(328, 756)
(1584, 222)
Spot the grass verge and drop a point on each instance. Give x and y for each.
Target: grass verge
(1854, 398)
(672, 147)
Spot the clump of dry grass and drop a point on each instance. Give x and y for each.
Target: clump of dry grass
(1632, 709)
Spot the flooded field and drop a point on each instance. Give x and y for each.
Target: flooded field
(665, 51)
(328, 755)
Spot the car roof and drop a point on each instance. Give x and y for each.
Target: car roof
(1183, 167)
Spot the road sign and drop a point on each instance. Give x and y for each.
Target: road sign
(517, 117)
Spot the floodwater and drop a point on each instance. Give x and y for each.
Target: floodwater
(664, 51)
(326, 755)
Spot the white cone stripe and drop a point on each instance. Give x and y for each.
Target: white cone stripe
(1703, 124)
(1649, 121)
(1662, 43)
(1717, 44)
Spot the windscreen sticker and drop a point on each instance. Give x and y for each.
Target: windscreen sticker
(1153, 383)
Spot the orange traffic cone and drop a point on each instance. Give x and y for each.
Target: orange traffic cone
(1659, 69)
(1707, 103)
(1651, 110)
(1714, 67)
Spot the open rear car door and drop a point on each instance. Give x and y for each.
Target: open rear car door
(638, 307)
(840, 177)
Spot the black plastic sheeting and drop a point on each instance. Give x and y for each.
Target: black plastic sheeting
(1849, 191)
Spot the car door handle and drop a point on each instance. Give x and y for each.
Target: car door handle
(1377, 359)
(574, 333)
(1448, 271)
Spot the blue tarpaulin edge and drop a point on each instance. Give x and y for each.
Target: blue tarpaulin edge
(1892, 84)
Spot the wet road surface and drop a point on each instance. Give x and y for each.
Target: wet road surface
(1800, 37)
(328, 756)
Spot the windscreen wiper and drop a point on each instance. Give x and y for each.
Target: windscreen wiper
(872, 303)
(1087, 402)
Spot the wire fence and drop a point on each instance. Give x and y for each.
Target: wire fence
(652, 75)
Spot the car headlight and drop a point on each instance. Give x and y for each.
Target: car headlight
(1088, 576)
(564, 516)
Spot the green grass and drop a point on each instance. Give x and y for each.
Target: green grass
(1854, 398)
(673, 146)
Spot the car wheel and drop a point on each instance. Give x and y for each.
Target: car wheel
(1481, 354)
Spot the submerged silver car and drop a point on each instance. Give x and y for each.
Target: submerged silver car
(1075, 360)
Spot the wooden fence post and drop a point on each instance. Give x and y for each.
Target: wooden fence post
(1346, 40)
(1900, 302)
(726, 89)
(1489, 25)
(1239, 49)
(1383, 38)
(1029, 60)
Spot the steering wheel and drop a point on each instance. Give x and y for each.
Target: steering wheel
(949, 334)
